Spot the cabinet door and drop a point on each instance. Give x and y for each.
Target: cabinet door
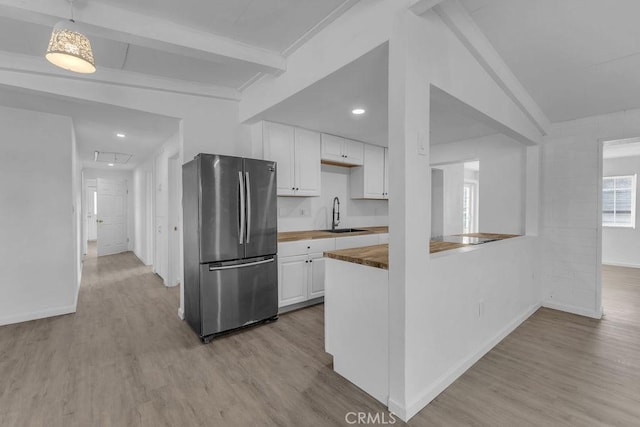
(386, 173)
(354, 152)
(373, 172)
(279, 147)
(316, 275)
(307, 163)
(332, 148)
(293, 280)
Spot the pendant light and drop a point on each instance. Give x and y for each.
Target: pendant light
(69, 48)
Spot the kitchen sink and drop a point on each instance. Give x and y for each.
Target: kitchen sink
(344, 230)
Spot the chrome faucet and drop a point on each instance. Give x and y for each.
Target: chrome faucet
(335, 218)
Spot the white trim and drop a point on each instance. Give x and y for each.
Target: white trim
(397, 409)
(181, 313)
(34, 315)
(595, 314)
(335, 14)
(620, 264)
(30, 65)
(452, 375)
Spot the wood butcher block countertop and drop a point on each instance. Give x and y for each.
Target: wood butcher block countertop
(292, 236)
(378, 255)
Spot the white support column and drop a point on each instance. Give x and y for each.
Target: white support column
(409, 204)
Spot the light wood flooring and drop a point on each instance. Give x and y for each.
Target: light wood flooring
(125, 359)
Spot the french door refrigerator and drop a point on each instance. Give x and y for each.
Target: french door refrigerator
(230, 243)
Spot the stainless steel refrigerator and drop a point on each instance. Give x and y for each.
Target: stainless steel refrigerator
(230, 243)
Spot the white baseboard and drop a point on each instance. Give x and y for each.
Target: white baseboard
(596, 314)
(34, 315)
(620, 264)
(181, 313)
(398, 410)
(453, 374)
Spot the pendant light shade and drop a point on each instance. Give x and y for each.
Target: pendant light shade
(70, 49)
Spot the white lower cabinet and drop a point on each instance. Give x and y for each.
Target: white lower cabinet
(316, 275)
(293, 277)
(301, 265)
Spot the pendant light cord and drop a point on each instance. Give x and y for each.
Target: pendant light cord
(71, 10)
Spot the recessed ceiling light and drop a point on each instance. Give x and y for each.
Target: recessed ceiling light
(110, 164)
(358, 111)
(120, 135)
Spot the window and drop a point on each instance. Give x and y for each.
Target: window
(619, 201)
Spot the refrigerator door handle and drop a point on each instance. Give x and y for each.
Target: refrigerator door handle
(251, 264)
(248, 184)
(242, 201)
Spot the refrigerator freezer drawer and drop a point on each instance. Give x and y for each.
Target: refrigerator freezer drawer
(233, 296)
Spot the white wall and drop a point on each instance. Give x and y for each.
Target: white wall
(314, 213)
(39, 254)
(621, 246)
(571, 196)
(127, 175)
(142, 211)
(162, 228)
(502, 192)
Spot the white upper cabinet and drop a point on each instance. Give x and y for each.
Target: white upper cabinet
(369, 181)
(332, 148)
(297, 152)
(342, 151)
(279, 147)
(354, 152)
(307, 163)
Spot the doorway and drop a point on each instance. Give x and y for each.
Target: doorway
(618, 228)
(111, 218)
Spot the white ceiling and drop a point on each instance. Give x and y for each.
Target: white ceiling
(96, 125)
(621, 148)
(326, 106)
(576, 58)
(270, 24)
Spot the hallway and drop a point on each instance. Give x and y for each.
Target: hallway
(125, 359)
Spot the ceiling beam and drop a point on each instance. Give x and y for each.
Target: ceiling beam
(126, 26)
(30, 65)
(464, 27)
(420, 7)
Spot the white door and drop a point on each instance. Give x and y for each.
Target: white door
(91, 203)
(373, 172)
(112, 216)
(279, 147)
(292, 280)
(307, 161)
